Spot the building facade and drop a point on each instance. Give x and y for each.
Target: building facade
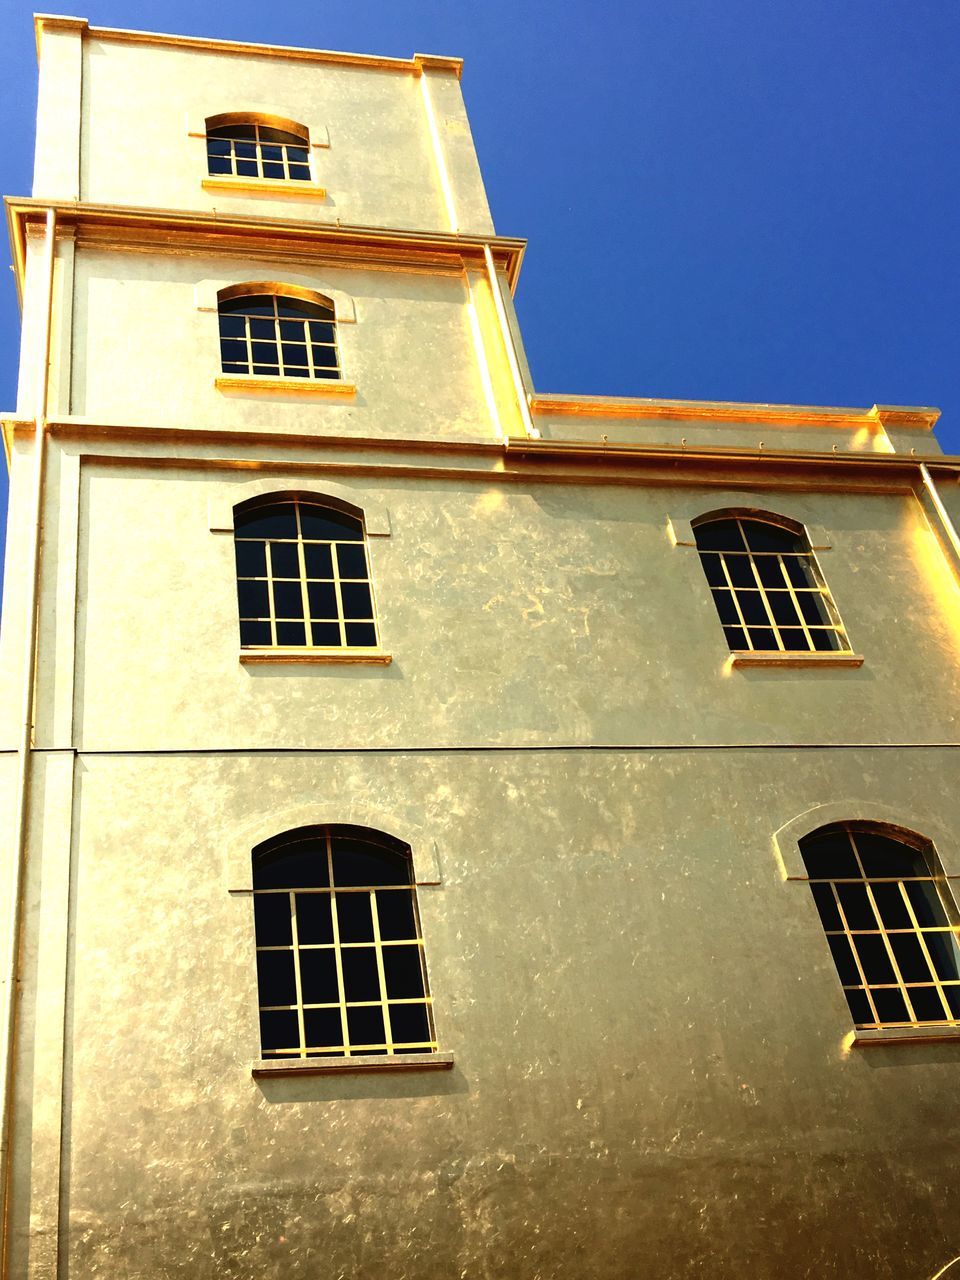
(456, 830)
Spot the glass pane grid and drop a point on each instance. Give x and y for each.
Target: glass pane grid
(768, 600)
(897, 953)
(370, 1009)
(262, 338)
(312, 592)
(257, 151)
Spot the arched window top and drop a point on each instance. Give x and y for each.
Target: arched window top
(303, 578)
(766, 584)
(890, 920)
(247, 144)
(340, 963)
(270, 329)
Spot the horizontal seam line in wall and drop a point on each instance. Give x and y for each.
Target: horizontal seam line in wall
(474, 749)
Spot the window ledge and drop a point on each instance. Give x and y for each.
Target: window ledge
(906, 1035)
(258, 385)
(271, 1067)
(290, 189)
(305, 654)
(802, 658)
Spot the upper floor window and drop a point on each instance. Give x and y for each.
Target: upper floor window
(248, 146)
(340, 964)
(767, 586)
(890, 921)
(302, 575)
(287, 332)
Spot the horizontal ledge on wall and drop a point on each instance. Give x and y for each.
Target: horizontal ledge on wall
(375, 656)
(267, 187)
(754, 659)
(253, 385)
(362, 1062)
(906, 1035)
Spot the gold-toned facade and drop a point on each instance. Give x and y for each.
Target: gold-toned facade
(645, 1065)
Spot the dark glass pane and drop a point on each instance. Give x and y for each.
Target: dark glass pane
(269, 152)
(300, 172)
(325, 524)
(355, 862)
(313, 918)
(249, 304)
(321, 332)
(874, 959)
(859, 1007)
(812, 607)
(284, 560)
(945, 954)
(890, 1006)
(911, 961)
(290, 306)
(719, 535)
(264, 352)
(325, 358)
(361, 978)
(253, 599)
(247, 168)
(287, 600)
(326, 635)
(926, 904)
(228, 366)
(272, 168)
(255, 634)
(296, 154)
(782, 608)
(352, 561)
(361, 635)
(279, 1030)
(251, 559)
(927, 1006)
(217, 146)
(753, 609)
(266, 330)
(300, 864)
(953, 1000)
(276, 982)
(323, 600)
(741, 574)
(892, 908)
(771, 574)
(882, 856)
(318, 372)
(726, 608)
(856, 907)
(219, 164)
(736, 637)
(713, 568)
(233, 131)
(296, 371)
(276, 521)
(799, 571)
(354, 920)
(318, 977)
(828, 854)
(825, 641)
(395, 914)
(232, 326)
(843, 959)
(268, 134)
(271, 914)
(294, 354)
(763, 640)
(827, 906)
(794, 640)
(365, 1027)
(770, 537)
(409, 1022)
(356, 600)
(322, 1028)
(291, 633)
(318, 561)
(233, 350)
(293, 330)
(404, 972)
(248, 150)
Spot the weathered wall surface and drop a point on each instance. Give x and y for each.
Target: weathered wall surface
(647, 1026)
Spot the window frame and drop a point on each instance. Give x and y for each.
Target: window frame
(291, 188)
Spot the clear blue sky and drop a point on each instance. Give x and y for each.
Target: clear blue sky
(725, 199)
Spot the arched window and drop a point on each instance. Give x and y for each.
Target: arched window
(767, 586)
(340, 964)
(891, 923)
(251, 146)
(277, 332)
(302, 575)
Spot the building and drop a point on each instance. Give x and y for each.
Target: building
(653, 696)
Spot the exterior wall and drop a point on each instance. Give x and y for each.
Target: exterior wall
(650, 1073)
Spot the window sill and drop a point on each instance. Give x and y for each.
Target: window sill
(753, 658)
(272, 1067)
(906, 1035)
(257, 385)
(286, 189)
(375, 656)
